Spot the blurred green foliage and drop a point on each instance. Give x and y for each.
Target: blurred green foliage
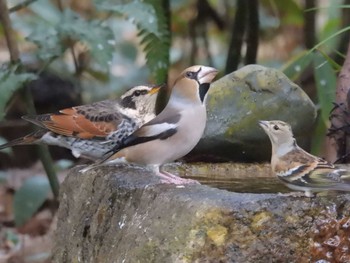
(151, 21)
(29, 197)
(325, 68)
(11, 81)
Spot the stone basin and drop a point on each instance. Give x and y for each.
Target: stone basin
(124, 214)
(234, 177)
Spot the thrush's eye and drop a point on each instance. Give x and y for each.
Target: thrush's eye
(137, 93)
(276, 128)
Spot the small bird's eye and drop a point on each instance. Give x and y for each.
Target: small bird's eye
(276, 128)
(190, 74)
(137, 93)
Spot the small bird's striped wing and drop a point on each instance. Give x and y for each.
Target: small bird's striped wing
(314, 173)
(296, 163)
(96, 120)
(325, 178)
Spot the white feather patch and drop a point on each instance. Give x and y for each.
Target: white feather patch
(156, 129)
(289, 172)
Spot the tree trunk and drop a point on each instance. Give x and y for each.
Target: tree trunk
(339, 139)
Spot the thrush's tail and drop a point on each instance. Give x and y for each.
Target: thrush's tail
(31, 138)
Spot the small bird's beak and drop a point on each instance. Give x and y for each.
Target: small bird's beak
(155, 89)
(206, 74)
(264, 124)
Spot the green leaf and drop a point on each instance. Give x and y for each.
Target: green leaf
(10, 81)
(330, 28)
(331, 61)
(338, 33)
(292, 12)
(128, 50)
(333, 21)
(29, 198)
(52, 39)
(325, 84)
(48, 42)
(327, 7)
(46, 11)
(7, 150)
(295, 66)
(149, 17)
(318, 136)
(98, 38)
(142, 14)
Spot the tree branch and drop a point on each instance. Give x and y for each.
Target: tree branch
(21, 5)
(9, 33)
(309, 24)
(237, 34)
(70, 44)
(252, 32)
(339, 132)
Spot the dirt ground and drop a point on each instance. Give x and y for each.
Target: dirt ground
(31, 242)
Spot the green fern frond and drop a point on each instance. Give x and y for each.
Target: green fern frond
(149, 17)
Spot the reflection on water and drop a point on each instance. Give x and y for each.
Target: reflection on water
(234, 177)
(245, 185)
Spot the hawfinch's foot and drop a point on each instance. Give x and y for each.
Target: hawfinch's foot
(169, 178)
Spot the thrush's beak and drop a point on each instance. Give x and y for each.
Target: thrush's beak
(155, 89)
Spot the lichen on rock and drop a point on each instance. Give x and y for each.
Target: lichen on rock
(235, 104)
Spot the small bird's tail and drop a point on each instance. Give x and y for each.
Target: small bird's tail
(31, 138)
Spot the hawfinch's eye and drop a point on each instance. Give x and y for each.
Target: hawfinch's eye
(190, 74)
(276, 128)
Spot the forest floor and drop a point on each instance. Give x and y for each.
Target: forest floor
(31, 242)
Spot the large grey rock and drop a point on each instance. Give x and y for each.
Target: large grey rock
(123, 215)
(237, 101)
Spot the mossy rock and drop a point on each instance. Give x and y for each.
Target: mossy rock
(123, 214)
(237, 101)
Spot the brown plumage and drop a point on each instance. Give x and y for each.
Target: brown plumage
(93, 129)
(298, 169)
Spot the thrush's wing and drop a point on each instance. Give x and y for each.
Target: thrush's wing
(96, 120)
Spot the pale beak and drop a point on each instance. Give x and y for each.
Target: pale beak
(206, 74)
(263, 123)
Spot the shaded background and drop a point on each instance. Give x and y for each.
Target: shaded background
(66, 53)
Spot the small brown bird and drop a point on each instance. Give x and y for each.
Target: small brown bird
(298, 169)
(91, 130)
(175, 131)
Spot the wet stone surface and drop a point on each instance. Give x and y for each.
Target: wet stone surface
(123, 214)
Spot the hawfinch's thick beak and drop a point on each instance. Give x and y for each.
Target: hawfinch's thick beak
(206, 74)
(155, 89)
